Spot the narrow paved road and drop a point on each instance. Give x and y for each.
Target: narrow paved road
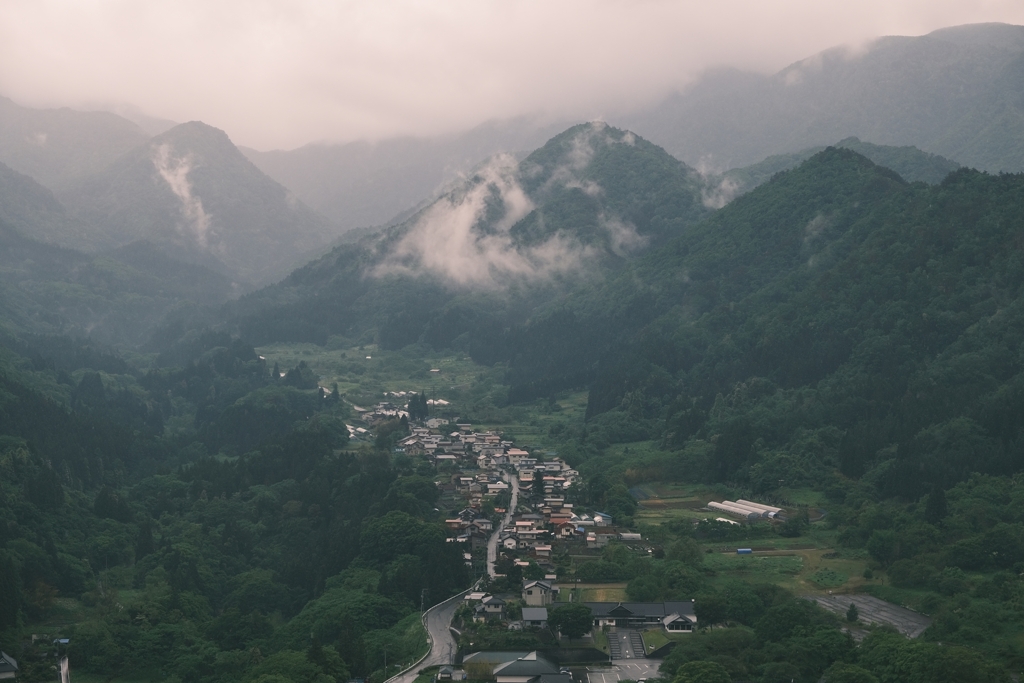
(437, 619)
(492, 544)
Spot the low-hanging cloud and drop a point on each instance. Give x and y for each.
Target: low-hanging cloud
(281, 74)
(718, 192)
(175, 172)
(466, 236)
(450, 240)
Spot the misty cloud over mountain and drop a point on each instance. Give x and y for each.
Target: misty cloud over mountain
(957, 92)
(476, 234)
(193, 192)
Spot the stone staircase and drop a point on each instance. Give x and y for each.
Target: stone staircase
(636, 643)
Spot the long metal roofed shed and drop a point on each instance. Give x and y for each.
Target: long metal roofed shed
(759, 506)
(737, 511)
(760, 512)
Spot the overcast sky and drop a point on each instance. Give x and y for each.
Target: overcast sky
(281, 74)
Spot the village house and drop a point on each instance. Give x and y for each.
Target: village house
(600, 540)
(671, 616)
(535, 617)
(529, 669)
(540, 593)
(602, 519)
(490, 608)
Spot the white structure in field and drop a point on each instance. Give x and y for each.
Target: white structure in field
(771, 511)
(735, 510)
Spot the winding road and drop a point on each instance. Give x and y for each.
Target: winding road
(437, 620)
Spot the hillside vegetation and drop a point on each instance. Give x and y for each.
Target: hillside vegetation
(513, 236)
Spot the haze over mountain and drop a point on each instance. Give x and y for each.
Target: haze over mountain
(948, 93)
(58, 146)
(363, 184)
(115, 298)
(957, 92)
(193, 192)
(511, 236)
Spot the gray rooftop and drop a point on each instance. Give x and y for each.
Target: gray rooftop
(531, 665)
(641, 609)
(493, 657)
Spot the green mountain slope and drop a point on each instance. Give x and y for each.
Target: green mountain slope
(512, 236)
(888, 311)
(117, 297)
(910, 163)
(191, 191)
(954, 92)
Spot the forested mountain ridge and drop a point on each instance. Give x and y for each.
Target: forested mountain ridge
(115, 298)
(191, 191)
(954, 92)
(837, 294)
(910, 163)
(512, 236)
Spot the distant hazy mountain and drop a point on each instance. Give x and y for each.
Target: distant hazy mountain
(512, 236)
(369, 184)
(56, 146)
(958, 92)
(191, 191)
(29, 207)
(910, 163)
(116, 297)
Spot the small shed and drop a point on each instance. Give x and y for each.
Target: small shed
(535, 616)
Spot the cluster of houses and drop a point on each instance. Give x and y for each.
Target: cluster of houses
(382, 412)
(463, 446)
(536, 595)
(397, 408)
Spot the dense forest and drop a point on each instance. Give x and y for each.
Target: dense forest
(835, 304)
(209, 518)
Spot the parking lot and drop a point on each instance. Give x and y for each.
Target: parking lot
(621, 670)
(874, 611)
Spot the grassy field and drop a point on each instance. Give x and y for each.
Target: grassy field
(658, 637)
(799, 568)
(601, 640)
(364, 373)
(594, 592)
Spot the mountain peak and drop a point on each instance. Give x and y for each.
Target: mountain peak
(197, 133)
